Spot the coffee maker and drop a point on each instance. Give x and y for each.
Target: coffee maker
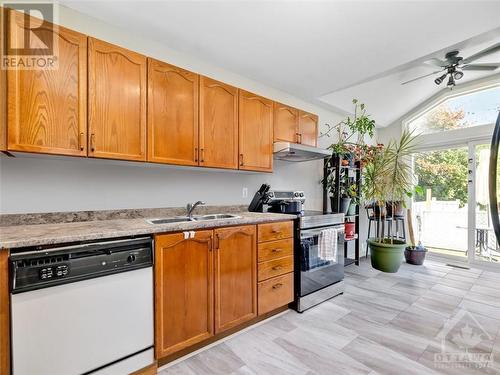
(277, 201)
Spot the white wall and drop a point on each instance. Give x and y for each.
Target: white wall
(36, 183)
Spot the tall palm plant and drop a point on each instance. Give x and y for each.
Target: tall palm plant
(388, 175)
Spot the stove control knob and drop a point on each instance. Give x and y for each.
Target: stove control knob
(131, 258)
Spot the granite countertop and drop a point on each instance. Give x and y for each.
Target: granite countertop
(15, 236)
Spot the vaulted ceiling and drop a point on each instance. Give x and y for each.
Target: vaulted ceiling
(324, 52)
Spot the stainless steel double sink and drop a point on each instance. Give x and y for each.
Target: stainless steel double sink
(184, 219)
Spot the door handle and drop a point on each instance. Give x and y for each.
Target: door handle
(202, 155)
(196, 154)
(92, 142)
(81, 141)
(241, 160)
(299, 137)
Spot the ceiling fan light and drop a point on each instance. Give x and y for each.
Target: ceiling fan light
(440, 80)
(451, 81)
(458, 74)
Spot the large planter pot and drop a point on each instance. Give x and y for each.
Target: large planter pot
(344, 205)
(386, 256)
(414, 255)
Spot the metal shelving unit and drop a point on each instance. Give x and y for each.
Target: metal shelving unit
(334, 165)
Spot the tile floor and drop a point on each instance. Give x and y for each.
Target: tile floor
(383, 324)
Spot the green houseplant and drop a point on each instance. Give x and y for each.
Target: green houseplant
(387, 177)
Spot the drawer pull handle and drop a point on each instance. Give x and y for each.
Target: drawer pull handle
(278, 250)
(277, 286)
(277, 268)
(275, 231)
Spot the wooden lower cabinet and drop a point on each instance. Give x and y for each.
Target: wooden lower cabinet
(207, 285)
(235, 276)
(183, 291)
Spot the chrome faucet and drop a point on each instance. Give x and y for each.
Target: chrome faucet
(190, 208)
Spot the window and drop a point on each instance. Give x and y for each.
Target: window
(464, 111)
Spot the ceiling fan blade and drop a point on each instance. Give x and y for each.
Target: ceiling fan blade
(436, 62)
(482, 67)
(427, 75)
(494, 48)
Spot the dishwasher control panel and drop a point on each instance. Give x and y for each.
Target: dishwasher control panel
(50, 267)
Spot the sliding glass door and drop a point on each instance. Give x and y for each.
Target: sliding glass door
(452, 217)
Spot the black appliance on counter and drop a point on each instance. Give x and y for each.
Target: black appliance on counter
(317, 278)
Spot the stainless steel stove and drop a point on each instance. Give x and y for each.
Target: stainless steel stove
(319, 246)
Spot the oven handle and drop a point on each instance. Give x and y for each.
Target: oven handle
(317, 232)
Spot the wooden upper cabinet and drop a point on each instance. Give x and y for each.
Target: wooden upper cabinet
(286, 123)
(183, 291)
(218, 124)
(235, 276)
(256, 132)
(172, 114)
(47, 108)
(117, 102)
(308, 129)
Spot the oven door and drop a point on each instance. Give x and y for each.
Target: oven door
(320, 268)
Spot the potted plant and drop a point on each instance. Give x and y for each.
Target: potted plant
(352, 192)
(351, 133)
(415, 254)
(388, 178)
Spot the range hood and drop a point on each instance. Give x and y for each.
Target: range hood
(296, 152)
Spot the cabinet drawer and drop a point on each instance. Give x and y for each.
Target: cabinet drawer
(275, 267)
(275, 249)
(275, 292)
(275, 231)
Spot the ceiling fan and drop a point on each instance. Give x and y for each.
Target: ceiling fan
(454, 65)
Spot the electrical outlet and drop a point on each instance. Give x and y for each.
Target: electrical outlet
(244, 193)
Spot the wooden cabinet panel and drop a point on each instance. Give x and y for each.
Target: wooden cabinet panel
(235, 276)
(308, 129)
(275, 249)
(286, 123)
(275, 267)
(47, 108)
(256, 132)
(3, 83)
(218, 124)
(117, 102)
(275, 292)
(4, 313)
(172, 114)
(275, 231)
(183, 291)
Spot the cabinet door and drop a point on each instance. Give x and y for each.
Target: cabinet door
(117, 102)
(286, 123)
(172, 114)
(47, 108)
(218, 124)
(308, 128)
(235, 276)
(183, 291)
(256, 132)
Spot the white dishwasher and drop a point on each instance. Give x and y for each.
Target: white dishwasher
(83, 309)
